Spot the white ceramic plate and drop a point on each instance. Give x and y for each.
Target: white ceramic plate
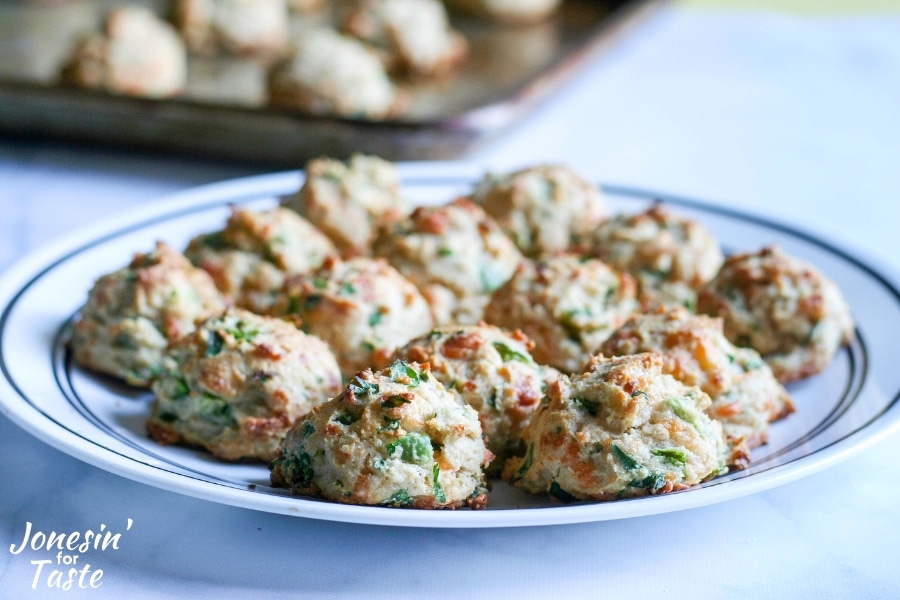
(848, 407)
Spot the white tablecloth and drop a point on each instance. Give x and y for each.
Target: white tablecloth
(798, 115)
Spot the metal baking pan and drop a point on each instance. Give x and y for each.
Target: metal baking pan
(223, 113)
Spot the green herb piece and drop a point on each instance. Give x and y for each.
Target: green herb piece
(682, 411)
(214, 343)
(308, 429)
(180, 389)
(590, 406)
(507, 353)
(652, 482)
(379, 464)
(394, 401)
(434, 334)
(262, 376)
(144, 374)
(752, 364)
(675, 456)
(813, 332)
(391, 424)
(637, 393)
(610, 292)
(320, 283)
(560, 494)
(243, 335)
(491, 278)
(311, 302)
(439, 494)
(660, 273)
(375, 318)
(492, 400)
(572, 328)
(415, 448)
(445, 252)
(168, 417)
(626, 459)
(216, 241)
(360, 387)
(368, 346)
(217, 410)
(345, 418)
(401, 370)
(123, 340)
(526, 464)
(301, 468)
(347, 289)
(400, 498)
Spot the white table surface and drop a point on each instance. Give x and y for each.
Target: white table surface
(795, 114)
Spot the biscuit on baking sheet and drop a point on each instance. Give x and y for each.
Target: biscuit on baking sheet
(238, 383)
(395, 438)
(670, 256)
(137, 54)
(782, 307)
(246, 27)
(456, 255)
(349, 200)
(132, 314)
(412, 36)
(507, 11)
(327, 73)
(250, 259)
(621, 429)
(363, 308)
(545, 209)
(567, 305)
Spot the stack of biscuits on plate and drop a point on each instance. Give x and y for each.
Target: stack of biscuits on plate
(375, 353)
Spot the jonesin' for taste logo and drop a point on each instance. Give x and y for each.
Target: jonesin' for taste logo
(69, 567)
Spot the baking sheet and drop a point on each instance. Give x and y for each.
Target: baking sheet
(224, 114)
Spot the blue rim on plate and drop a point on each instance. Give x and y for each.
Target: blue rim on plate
(847, 408)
